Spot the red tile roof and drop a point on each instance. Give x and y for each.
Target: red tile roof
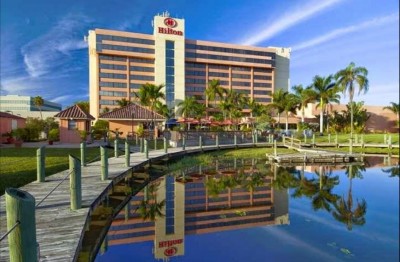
(7, 115)
(74, 112)
(139, 113)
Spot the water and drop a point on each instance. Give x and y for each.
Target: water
(241, 217)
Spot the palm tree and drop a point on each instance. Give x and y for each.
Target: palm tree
(344, 211)
(213, 90)
(278, 103)
(291, 103)
(187, 107)
(149, 95)
(305, 95)
(326, 91)
(395, 108)
(123, 102)
(39, 102)
(347, 79)
(84, 105)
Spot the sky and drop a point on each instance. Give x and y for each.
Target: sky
(43, 51)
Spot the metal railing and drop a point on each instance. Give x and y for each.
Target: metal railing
(9, 231)
(41, 201)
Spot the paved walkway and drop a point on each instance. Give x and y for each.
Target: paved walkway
(60, 230)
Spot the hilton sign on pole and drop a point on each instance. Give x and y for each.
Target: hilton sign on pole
(170, 23)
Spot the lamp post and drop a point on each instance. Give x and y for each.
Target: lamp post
(132, 114)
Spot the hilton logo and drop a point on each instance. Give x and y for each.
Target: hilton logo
(170, 22)
(169, 252)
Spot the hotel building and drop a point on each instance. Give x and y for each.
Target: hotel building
(120, 62)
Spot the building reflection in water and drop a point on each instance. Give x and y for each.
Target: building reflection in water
(203, 200)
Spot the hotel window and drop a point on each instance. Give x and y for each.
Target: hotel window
(170, 205)
(71, 124)
(170, 73)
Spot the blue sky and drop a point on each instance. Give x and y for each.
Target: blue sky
(43, 52)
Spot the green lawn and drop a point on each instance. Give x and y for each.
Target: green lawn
(18, 165)
(368, 138)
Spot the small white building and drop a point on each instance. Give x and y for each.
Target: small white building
(24, 106)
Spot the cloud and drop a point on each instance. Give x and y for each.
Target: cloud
(290, 18)
(51, 50)
(289, 239)
(60, 99)
(346, 30)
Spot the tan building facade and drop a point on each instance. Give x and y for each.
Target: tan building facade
(120, 62)
(380, 119)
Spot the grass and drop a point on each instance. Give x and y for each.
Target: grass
(18, 165)
(368, 138)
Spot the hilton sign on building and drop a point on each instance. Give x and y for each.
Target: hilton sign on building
(120, 62)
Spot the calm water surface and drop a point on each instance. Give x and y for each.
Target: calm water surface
(250, 211)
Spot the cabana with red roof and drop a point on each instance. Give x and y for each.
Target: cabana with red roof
(72, 121)
(128, 119)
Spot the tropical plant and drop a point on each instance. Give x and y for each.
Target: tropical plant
(123, 102)
(278, 103)
(39, 102)
(395, 108)
(323, 196)
(347, 79)
(344, 211)
(326, 92)
(84, 105)
(149, 207)
(393, 171)
(305, 96)
(149, 95)
(187, 107)
(213, 90)
(291, 103)
(54, 134)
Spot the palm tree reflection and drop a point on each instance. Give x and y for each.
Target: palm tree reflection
(393, 171)
(149, 208)
(323, 196)
(344, 211)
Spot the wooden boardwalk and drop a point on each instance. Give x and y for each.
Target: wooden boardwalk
(315, 157)
(59, 229)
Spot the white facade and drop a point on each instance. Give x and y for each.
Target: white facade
(23, 106)
(173, 30)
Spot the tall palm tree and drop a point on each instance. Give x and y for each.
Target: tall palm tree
(347, 79)
(278, 103)
(213, 90)
(188, 106)
(305, 95)
(291, 103)
(149, 95)
(326, 91)
(395, 108)
(344, 211)
(39, 102)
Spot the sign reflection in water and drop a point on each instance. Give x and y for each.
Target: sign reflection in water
(227, 196)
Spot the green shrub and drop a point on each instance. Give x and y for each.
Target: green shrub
(54, 134)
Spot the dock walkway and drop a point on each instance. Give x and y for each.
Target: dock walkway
(59, 229)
